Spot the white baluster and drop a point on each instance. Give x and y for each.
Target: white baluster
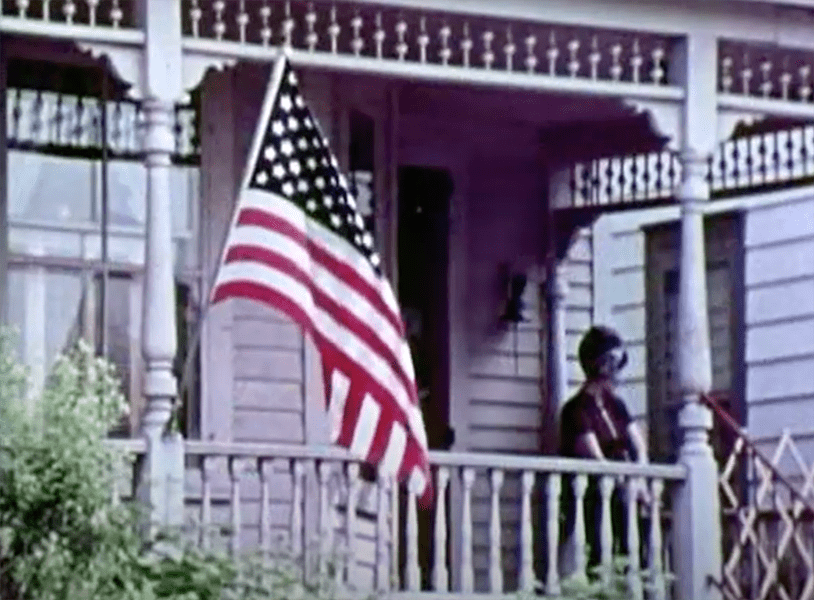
(379, 36)
(495, 550)
(636, 61)
(265, 470)
(116, 14)
(440, 573)
(311, 36)
(466, 46)
(395, 529)
(69, 10)
(580, 484)
(296, 539)
(606, 532)
(552, 53)
(616, 62)
(46, 10)
(766, 84)
(195, 14)
(634, 573)
(288, 27)
(594, 57)
(423, 40)
(526, 534)
(726, 75)
(326, 525)
(234, 504)
(531, 57)
(488, 55)
(553, 488)
(207, 468)
(333, 31)
(573, 63)
(657, 72)
(445, 53)
(265, 28)
(242, 20)
(746, 76)
(467, 571)
(357, 44)
(22, 8)
(220, 25)
(804, 91)
(413, 569)
(383, 542)
(655, 550)
(351, 528)
(509, 50)
(92, 5)
(401, 32)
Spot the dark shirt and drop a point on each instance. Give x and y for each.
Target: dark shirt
(583, 414)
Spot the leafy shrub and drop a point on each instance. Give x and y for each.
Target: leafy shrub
(62, 538)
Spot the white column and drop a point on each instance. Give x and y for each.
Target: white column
(697, 517)
(557, 367)
(162, 88)
(158, 325)
(3, 193)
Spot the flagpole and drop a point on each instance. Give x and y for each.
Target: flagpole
(257, 141)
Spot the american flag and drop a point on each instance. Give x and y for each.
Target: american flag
(299, 244)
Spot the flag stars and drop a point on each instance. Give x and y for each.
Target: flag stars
(302, 186)
(262, 178)
(270, 153)
(294, 167)
(327, 201)
(320, 183)
(312, 165)
(278, 128)
(336, 221)
(311, 205)
(293, 123)
(285, 103)
(278, 171)
(288, 189)
(286, 147)
(292, 78)
(374, 259)
(367, 240)
(299, 102)
(302, 144)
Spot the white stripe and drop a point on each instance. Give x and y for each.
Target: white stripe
(365, 427)
(327, 240)
(351, 345)
(333, 286)
(340, 387)
(394, 454)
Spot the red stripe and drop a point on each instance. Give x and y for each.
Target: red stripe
(270, 221)
(414, 455)
(357, 327)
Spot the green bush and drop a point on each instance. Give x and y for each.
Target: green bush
(61, 537)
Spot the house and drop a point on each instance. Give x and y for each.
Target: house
(568, 143)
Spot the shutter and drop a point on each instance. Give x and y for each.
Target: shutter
(664, 394)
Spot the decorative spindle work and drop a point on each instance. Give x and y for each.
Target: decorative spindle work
(115, 14)
(773, 159)
(383, 32)
(767, 72)
(66, 125)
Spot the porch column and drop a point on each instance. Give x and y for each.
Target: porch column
(162, 477)
(697, 527)
(557, 363)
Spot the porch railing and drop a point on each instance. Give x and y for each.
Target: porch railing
(767, 500)
(495, 527)
(762, 161)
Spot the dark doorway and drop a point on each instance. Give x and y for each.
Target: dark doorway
(423, 257)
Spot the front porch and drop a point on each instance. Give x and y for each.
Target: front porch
(610, 114)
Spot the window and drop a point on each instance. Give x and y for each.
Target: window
(724, 300)
(64, 283)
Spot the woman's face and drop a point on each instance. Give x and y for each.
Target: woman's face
(611, 364)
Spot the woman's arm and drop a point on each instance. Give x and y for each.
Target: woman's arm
(637, 440)
(588, 446)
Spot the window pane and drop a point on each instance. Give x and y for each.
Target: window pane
(49, 188)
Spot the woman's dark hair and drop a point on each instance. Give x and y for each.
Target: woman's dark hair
(597, 341)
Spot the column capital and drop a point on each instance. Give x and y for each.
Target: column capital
(158, 128)
(695, 170)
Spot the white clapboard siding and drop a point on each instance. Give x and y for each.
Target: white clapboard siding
(779, 282)
(579, 300)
